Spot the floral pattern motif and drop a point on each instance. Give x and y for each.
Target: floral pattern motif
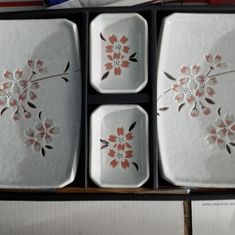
(222, 132)
(196, 88)
(18, 93)
(117, 53)
(120, 150)
(41, 136)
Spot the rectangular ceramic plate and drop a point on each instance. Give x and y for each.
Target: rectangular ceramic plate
(119, 53)
(119, 146)
(196, 122)
(39, 103)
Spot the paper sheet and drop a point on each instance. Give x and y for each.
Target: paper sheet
(213, 217)
(92, 218)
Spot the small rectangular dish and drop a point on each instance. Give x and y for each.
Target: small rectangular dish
(196, 121)
(119, 53)
(119, 151)
(40, 103)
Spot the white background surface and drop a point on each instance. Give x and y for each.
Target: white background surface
(213, 217)
(92, 218)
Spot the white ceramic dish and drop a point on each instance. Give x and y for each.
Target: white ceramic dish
(40, 103)
(119, 53)
(119, 155)
(196, 100)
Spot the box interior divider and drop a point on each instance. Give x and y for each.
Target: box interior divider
(156, 188)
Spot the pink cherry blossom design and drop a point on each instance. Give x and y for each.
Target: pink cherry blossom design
(31, 140)
(204, 85)
(7, 99)
(13, 81)
(120, 157)
(121, 139)
(117, 46)
(117, 62)
(37, 66)
(46, 130)
(223, 132)
(29, 91)
(215, 61)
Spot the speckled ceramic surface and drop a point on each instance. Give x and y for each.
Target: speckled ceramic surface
(119, 151)
(196, 121)
(40, 103)
(119, 53)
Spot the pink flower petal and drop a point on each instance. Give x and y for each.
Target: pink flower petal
(34, 86)
(220, 123)
(23, 83)
(27, 115)
(31, 63)
(231, 136)
(113, 163)
(125, 164)
(108, 66)
(117, 55)
(117, 71)
(206, 111)
(8, 75)
(183, 81)
(48, 123)
(111, 153)
(185, 70)
(12, 102)
(110, 57)
(39, 64)
(129, 154)
(221, 133)
(22, 96)
(126, 49)
(217, 59)
(125, 63)
(176, 87)
(3, 101)
(199, 92)
(113, 39)
(6, 85)
(211, 129)
(129, 136)
(190, 98)
(128, 145)
(121, 146)
(54, 130)
(124, 39)
(18, 74)
(229, 119)
(29, 142)
(179, 97)
(37, 146)
(2, 92)
(40, 135)
(48, 138)
(220, 144)
(32, 95)
(211, 139)
(200, 79)
(232, 127)
(195, 69)
(112, 138)
(212, 81)
(29, 132)
(210, 91)
(109, 49)
(209, 58)
(120, 131)
(194, 112)
(16, 116)
(39, 126)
